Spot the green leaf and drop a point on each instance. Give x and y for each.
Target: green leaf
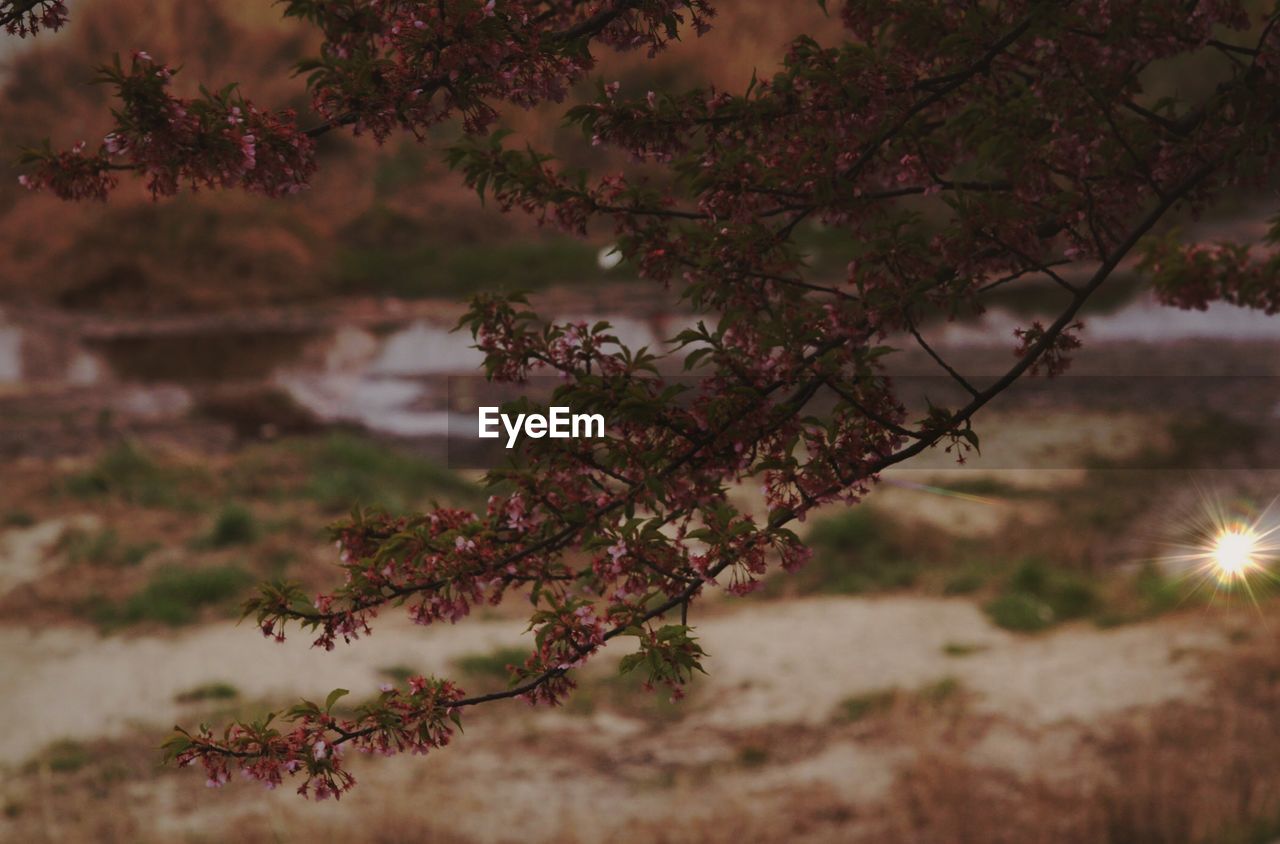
(630, 662)
(176, 744)
(334, 696)
(673, 631)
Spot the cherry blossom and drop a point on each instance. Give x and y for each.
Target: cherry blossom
(961, 147)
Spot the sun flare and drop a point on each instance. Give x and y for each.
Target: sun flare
(1234, 551)
(1230, 547)
(1225, 546)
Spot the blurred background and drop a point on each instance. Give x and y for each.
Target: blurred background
(1019, 649)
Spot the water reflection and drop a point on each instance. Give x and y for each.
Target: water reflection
(1142, 321)
(392, 376)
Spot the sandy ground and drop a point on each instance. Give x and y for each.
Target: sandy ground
(26, 553)
(69, 683)
(779, 674)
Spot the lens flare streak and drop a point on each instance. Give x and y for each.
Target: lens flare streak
(1228, 550)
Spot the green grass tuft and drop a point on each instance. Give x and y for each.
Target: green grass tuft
(492, 665)
(103, 548)
(17, 518)
(854, 552)
(175, 596)
(388, 252)
(858, 707)
(961, 649)
(963, 583)
(399, 674)
(1020, 612)
(235, 524)
(940, 692)
(346, 471)
(208, 691)
(65, 756)
(127, 473)
(1036, 598)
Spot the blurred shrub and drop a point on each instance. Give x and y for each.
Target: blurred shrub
(66, 756)
(208, 691)
(1148, 594)
(857, 707)
(1159, 594)
(103, 548)
(128, 474)
(854, 552)
(940, 692)
(235, 525)
(345, 471)
(628, 695)
(399, 674)
(963, 583)
(1020, 612)
(17, 518)
(175, 596)
(1037, 597)
(491, 666)
(385, 251)
(961, 649)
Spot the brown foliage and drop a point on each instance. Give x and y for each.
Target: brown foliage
(219, 251)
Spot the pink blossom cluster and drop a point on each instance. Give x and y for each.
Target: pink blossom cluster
(1053, 349)
(219, 140)
(23, 17)
(443, 58)
(416, 719)
(1195, 275)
